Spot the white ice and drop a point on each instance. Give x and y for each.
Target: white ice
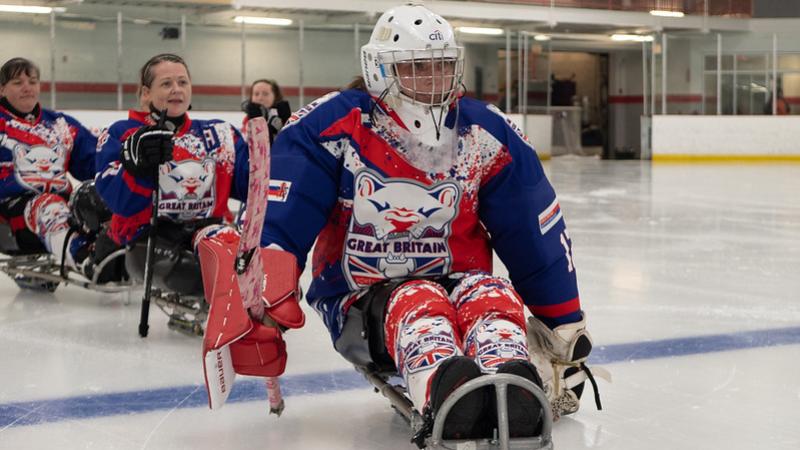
(702, 254)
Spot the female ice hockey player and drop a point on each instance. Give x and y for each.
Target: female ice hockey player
(38, 147)
(407, 187)
(196, 164)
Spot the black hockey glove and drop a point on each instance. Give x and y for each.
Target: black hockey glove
(146, 149)
(254, 110)
(284, 111)
(277, 118)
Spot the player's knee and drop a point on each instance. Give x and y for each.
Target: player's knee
(46, 214)
(415, 300)
(479, 295)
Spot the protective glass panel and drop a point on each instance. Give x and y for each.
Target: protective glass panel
(791, 94)
(684, 95)
(757, 61)
(710, 85)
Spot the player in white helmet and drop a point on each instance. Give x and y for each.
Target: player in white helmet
(412, 62)
(405, 187)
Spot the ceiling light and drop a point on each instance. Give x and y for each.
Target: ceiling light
(479, 30)
(541, 37)
(631, 38)
(29, 9)
(662, 13)
(254, 20)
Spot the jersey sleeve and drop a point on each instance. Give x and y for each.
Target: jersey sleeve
(127, 196)
(519, 208)
(84, 148)
(241, 166)
(8, 185)
(304, 181)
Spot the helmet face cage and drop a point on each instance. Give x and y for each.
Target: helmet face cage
(434, 78)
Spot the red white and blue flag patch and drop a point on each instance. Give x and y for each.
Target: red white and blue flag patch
(549, 217)
(279, 190)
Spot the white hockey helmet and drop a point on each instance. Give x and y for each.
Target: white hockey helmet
(412, 34)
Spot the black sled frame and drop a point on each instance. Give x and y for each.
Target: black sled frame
(187, 313)
(41, 272)
(175, 283)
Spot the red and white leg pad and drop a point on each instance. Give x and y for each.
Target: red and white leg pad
(492, 316)
(420, 334)
(47, 215)
(233, 341)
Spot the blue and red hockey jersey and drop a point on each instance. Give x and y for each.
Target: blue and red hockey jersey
(36, 155)
(210, 165)
(341, 175)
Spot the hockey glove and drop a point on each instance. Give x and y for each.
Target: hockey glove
(254, 110)
(145, 150)
(560, 355)
(283, 110)
(277, 118)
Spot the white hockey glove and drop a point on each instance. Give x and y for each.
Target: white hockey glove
(560, 356)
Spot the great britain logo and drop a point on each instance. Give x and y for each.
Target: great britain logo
(399, 228)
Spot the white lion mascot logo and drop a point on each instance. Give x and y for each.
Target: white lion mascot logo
(401, 207)
(399, 228)
(40, 168)
(187, 188)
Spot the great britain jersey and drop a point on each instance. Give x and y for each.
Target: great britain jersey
(37, 154)
(343, 174)
(209, 165)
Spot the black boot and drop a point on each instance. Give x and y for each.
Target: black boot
(107, 261)
(466, 418)
(524, 410)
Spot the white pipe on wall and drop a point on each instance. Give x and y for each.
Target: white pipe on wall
(183, 35)
(525, 43)
(664, 73)
(356, 42)
(644, 78)
(653, 78)
(508, 71)
(549, 75)
(243, 68)
(774, 74)
(735, 89)
(519, 71)
(301, 49)
(719, 74)
(53, 60)
(119, 60)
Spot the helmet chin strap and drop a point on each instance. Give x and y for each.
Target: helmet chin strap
(426, 122)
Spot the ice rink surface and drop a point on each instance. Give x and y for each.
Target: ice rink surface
(689, 275)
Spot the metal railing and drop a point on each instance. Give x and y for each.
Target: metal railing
(728, 8)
